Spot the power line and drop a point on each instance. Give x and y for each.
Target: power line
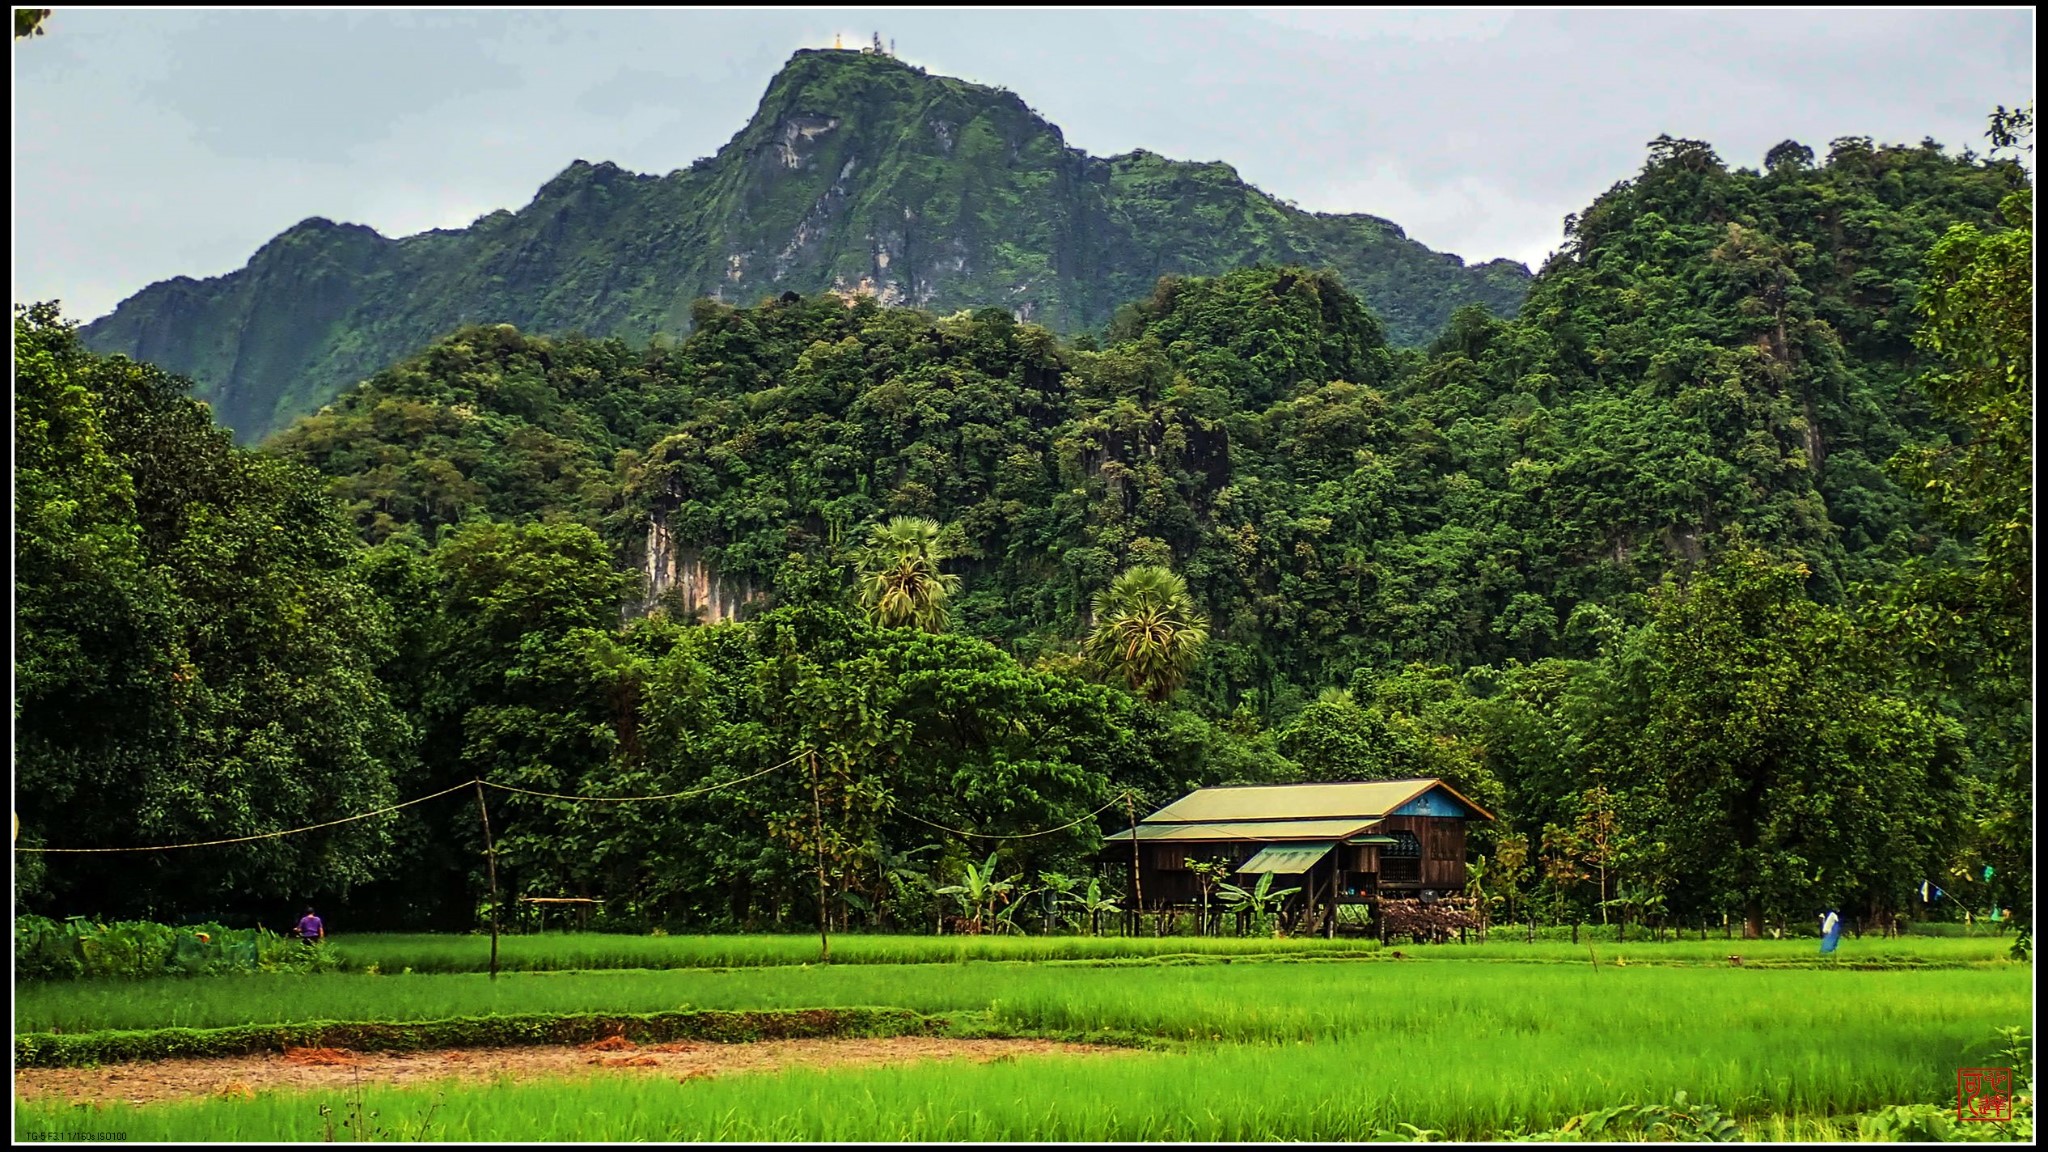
(409, 803)
(696, 791)
(630, 799)
(263, 835)
(1019, 835)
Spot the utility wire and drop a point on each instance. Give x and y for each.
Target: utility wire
(1019, 835)
(628, 799)
(698, 791)
(264, 835)
(418, 800)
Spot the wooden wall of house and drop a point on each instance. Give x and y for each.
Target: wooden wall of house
(1443, 847)
(1166, 878)
(1164, 870)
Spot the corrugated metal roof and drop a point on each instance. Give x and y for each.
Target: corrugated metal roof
(1364, 799)
(1287, 859)
(1260, 830)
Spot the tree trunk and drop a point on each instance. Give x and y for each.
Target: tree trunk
(1753, 919)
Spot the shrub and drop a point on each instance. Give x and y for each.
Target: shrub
(134, 949)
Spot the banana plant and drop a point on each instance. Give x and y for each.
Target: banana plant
(1094, 904)
(1261, 900)
(1058, 893)
(904, 882)
(979, 893)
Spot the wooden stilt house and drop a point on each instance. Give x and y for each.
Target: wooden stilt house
(1345, 843)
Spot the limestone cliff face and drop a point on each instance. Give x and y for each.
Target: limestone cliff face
(679, 580)
(857, 174)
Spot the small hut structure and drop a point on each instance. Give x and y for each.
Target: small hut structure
(1347, 843)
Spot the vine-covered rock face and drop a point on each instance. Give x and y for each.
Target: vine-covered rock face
(858, 174)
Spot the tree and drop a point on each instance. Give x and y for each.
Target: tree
(29, 21)
(900, 582)
(1599, 838)
(1788, 775)
(196, 650)
(1335, 739)
(1788, 154)
(1968, 627)
(1147, 631)
(1509, 872)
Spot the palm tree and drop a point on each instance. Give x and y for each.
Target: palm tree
(900, 582)
(1148, 631)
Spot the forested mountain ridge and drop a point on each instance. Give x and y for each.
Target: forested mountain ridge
(1708, 573)
(1715, 349)
(857, 173)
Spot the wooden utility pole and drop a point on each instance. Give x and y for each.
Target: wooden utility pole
(818, 835)
(491, 857)
(1137, 885)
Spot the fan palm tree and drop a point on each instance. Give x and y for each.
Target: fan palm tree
(900, 582)
(1148, 631)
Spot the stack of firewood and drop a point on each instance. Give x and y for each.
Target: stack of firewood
(1434, 922)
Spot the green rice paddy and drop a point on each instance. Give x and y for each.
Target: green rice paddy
(1252, 1049)
(395, 953)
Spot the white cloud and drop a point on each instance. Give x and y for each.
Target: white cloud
(150, 144)
(1478, 219)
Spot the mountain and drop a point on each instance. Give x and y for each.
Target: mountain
(1716, 352)
(858, 174)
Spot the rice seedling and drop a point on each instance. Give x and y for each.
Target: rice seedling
(590, 950)
(1263, 1049)
(1455, 1076)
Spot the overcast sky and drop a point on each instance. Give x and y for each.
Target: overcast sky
(150, 144)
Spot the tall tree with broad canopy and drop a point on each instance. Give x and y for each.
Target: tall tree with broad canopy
(196, 653)
(1792, 780)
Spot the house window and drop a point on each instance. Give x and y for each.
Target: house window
(1401, 861)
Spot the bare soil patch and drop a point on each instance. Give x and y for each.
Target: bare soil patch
(305, 1069)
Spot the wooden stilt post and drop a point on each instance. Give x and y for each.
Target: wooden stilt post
(491, 857)
(1330, 929)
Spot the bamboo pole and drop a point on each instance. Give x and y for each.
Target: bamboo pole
(818, 835)
(491, 857)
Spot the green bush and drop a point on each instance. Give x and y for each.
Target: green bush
(134, 949)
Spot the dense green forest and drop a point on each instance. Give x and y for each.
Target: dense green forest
(857, 172)
(1709, 572)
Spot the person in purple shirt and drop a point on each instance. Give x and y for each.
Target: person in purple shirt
(310, 929)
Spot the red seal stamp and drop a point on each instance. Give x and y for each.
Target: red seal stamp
(1984, 1094)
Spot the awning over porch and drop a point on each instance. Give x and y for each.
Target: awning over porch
(1287, 859)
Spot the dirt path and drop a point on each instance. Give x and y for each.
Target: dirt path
(313, 1068)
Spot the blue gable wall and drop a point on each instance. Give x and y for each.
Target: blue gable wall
(1435, 802)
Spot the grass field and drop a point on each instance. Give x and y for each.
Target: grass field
(393, 953)
(1330, 1049)
(591, 950)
